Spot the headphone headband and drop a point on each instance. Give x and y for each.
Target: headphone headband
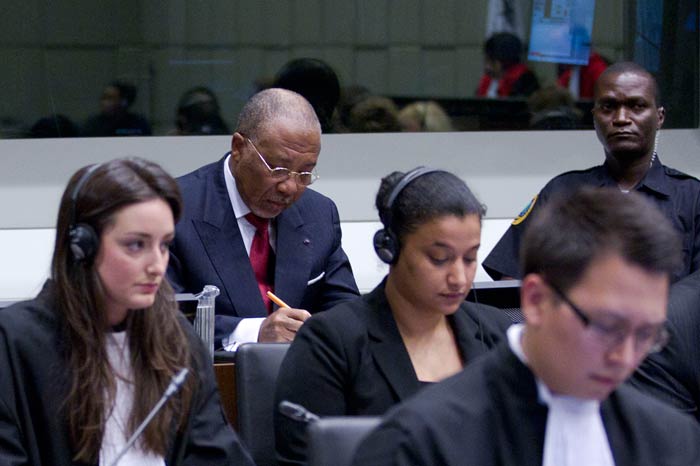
(385, 242)
(78, 187)
(83, 240)
(403, 182)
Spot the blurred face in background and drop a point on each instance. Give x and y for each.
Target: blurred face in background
(111, 101)
(493, 68)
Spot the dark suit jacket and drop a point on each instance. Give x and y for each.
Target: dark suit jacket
(673, 375)
(209, 250)
(490, 415)
(34, 382)
(351, 360)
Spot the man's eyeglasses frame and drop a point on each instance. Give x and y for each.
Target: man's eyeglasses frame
(281, 174)
(612, 337)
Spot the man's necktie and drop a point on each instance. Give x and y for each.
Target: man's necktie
(260, 252)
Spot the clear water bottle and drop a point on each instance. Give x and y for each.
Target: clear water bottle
(204, 319)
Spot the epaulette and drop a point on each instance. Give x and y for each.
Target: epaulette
(679, 174)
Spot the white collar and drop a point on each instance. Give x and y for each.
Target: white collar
(515, 334)
(240, 209)
(575, 434)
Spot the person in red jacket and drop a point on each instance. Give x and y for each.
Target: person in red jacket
(587, 76)
(504, 73)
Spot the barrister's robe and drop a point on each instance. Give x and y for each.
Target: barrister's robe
(34, 381)
(490, 414)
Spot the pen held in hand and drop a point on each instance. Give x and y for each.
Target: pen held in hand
(276, 300)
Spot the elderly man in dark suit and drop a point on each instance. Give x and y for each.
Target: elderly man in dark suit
(250, 226)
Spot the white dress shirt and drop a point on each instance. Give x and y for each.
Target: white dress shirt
(575, 81)
(116, 434)
(492, 91)
(247, 330)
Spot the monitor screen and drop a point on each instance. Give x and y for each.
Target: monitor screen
(561, 31)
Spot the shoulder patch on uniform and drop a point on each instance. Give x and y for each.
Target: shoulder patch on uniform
(525, 212)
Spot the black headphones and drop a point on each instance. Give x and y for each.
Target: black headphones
(83, 240)
(386, 244)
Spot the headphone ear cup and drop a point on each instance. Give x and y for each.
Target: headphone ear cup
(385, 246)
(83, 242)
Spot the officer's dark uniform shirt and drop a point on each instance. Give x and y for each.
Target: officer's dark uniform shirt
(675, 193)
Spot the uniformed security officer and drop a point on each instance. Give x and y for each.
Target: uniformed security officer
(627, 116)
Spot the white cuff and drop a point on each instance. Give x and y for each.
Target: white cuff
(245, 332)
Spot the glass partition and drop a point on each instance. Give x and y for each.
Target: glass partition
(187, 67)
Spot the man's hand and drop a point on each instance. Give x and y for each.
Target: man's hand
(282, 325)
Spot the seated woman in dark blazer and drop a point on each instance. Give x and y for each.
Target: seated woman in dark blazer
(365, 355)
(83, 363)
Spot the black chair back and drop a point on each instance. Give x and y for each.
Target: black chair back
(257, 367)
(333, 440)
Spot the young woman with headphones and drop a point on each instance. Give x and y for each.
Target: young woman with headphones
(413, 329)
(85, 362)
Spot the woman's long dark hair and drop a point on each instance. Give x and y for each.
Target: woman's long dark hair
(157, 342)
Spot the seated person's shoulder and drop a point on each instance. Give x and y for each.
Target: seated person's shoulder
(347, 320)
(493, 321)
(562, 183)
(686, 186)
(194, 187)
(679, 175)
(571, 179)
(24, 317)
(683, 191)
(314, 200)
(197, 175)
(35, 313)
(685, 291)
(657, 418)
(31, 328)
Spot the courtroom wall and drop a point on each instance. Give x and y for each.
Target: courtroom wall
(505, 169)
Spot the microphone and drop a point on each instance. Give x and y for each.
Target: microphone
(175, 384)
(297, 412)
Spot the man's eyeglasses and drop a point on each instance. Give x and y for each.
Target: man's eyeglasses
(648, 339)
(281, 174)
